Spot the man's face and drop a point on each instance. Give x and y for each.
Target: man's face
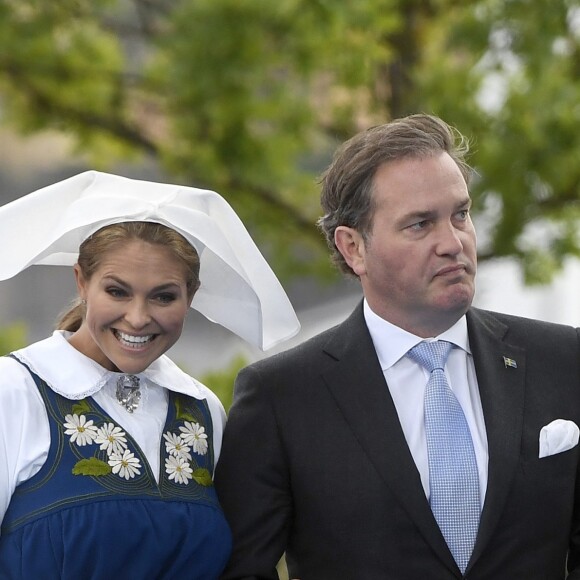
(418, 264)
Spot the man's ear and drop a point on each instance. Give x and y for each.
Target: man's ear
(350, 244)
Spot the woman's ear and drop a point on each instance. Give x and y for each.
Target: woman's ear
(80, 281)
(193, 292)
(351, 245)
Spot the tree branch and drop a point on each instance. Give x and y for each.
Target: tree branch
(113, 125)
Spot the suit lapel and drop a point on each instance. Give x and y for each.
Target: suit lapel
(501, 388)
(357, 383)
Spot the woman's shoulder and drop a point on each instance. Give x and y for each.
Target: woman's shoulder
(18, 390)
(43, 350)
(12, 371)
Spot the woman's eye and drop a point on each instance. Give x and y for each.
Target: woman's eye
(116, 292)
(166, 298)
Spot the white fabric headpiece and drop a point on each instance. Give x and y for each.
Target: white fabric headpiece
(238, 289)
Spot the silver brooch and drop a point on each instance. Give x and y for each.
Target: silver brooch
(128, 393)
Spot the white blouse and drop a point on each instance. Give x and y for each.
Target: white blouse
(24, 428)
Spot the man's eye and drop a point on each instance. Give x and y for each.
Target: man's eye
(419, 225)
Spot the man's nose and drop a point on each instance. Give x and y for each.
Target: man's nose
(449, 241)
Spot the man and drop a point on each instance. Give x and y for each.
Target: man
(335, 451)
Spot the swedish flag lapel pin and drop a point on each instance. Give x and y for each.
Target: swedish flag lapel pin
(510, 362)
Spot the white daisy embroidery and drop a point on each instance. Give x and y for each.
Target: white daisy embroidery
(194, 434)
(178, 469)
(125, 464)
(111, 438)
(175, 446)
(81, 431)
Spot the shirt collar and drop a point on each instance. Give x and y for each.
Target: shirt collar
(392, 342)
(73, 375)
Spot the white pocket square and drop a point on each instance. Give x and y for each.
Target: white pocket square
(559, 435)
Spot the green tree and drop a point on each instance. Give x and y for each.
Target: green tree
(12, 337)
(222, 382)
(250, 97)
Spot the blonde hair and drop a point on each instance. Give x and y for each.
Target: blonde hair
(109, 238)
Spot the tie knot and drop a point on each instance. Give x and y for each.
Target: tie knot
(431, 355)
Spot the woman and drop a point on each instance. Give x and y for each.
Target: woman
(107, 448)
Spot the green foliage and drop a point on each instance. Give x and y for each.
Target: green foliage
(222, 382)
(12, 337)
(250, 97)
(282, 569)
(524, 57)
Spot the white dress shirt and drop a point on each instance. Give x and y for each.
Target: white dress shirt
(407, 379)
(24, 428)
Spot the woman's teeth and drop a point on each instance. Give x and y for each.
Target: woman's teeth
(133, 340)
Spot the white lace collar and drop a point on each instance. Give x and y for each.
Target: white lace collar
(73, 375)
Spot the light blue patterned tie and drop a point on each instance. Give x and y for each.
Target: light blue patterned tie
(453, 477)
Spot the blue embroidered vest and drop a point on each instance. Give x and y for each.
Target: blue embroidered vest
(95, 510)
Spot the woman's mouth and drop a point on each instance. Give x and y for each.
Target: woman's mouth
(132, 340)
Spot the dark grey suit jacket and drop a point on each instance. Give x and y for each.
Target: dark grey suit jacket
(314, 462)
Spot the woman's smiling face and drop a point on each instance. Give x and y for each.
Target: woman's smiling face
(136, 303)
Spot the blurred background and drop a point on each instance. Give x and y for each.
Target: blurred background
(251, 97)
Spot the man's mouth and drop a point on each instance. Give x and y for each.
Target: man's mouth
(132, 340)
(451, 270)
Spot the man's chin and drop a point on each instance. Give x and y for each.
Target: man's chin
(457, 300)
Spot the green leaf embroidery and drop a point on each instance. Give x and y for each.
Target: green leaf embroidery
(203, 477)
(181, 414)
(80, 408)
(92, 466)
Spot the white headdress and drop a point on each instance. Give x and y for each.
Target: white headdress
(238, 289)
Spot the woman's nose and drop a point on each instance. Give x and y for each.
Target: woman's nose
(137, 314)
